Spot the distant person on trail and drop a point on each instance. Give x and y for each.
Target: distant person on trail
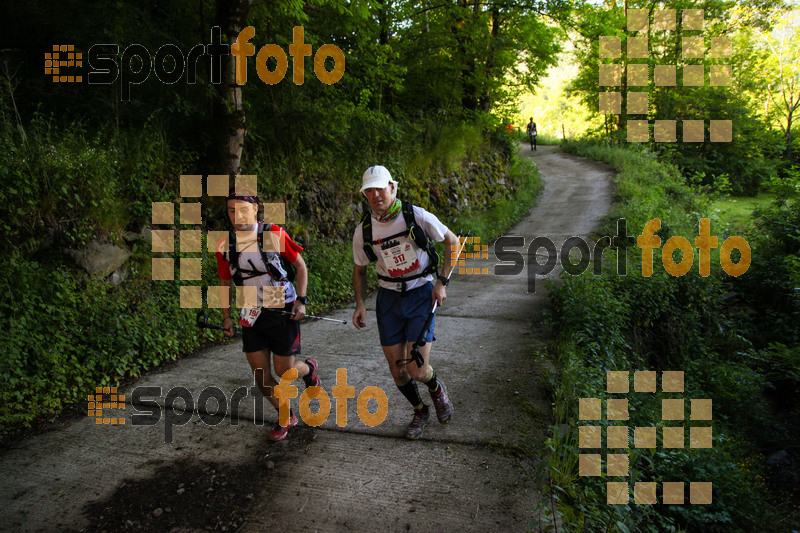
(243, 260)
(398, 237)
(532, 133)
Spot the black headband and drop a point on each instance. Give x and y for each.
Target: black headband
(242, 197)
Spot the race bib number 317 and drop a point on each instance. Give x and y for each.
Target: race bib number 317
(401, 258)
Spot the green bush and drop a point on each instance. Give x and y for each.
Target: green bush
(68, 334)
(661, 322)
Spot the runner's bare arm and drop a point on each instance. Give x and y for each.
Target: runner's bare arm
(301, 279)
(225, 290)
(360, 290)
(451, 245)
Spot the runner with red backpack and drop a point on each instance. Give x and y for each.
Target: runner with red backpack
(262, 255)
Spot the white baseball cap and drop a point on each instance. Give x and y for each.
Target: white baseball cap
(376, 177)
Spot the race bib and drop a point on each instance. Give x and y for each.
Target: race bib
(400, 259)
(248, 317)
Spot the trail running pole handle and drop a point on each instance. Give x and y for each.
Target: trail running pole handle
(416, 356)
(202, 321)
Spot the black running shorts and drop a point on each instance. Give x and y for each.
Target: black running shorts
(273, 331)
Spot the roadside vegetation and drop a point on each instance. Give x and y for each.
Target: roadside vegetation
(735, 339)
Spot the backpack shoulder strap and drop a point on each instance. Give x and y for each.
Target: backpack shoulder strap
(260, 234)
(408, 214)
(366, 235)
(415, 231)
(232, 254)
(420, 238)
(273, 271)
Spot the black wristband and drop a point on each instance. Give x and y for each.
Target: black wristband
(302, 299)
(444, 281)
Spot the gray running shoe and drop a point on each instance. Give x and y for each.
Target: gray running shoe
(420, 420)
(444, 408)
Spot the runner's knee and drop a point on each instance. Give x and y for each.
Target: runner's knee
(263, 377)
(282, 364)
(400, 374)
(419, 373)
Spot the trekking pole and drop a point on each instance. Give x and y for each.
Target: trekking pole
(315, 317)
(416, 356)
(202, 321)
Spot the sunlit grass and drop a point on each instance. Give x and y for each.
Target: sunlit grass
(737, 211)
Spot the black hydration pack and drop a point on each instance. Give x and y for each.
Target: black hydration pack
(277, 266)
(414, 231)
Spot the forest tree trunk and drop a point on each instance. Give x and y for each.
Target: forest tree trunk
(229, 119)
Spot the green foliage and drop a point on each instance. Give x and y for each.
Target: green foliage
(611, 322)
(754, 153)
(778, 67)
(68, 334)
(785, 187)
(53, 179)
(506, 211)
(770, 288)
(67, 185)
(329, 274)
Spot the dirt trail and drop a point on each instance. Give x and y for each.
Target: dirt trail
(471, 475)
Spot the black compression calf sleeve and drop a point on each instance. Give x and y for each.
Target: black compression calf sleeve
(432, 383)
(411, 391)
